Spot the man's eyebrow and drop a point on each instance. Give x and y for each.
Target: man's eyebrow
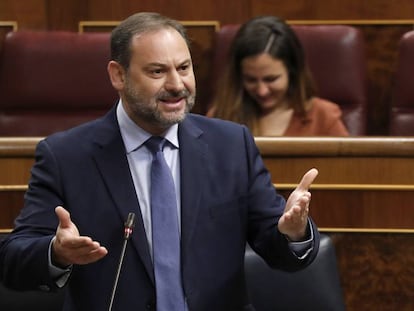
(155, 64)
(188, 60)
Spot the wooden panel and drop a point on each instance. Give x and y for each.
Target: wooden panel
(343, 170)
(382, 56)
(64, 15)
(11, 202)
(16, 160)
(224, 11)
(6, 27)
(362, 182)
(29, 14)
(344, 160)
(361, 209)
(376, 270)
(334, 9)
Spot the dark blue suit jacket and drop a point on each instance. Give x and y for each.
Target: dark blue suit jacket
(227, 199)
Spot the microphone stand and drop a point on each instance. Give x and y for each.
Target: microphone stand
(129, 224)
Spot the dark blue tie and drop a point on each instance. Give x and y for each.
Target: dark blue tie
(165, 231)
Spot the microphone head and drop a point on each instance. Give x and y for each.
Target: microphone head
(129, 225)
(130, 222)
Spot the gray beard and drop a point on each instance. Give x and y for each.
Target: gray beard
(151, 114)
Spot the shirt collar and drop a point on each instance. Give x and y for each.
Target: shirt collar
(134, 136)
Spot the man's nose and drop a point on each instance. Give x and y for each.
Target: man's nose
(174, 81)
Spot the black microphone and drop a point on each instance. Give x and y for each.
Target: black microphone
(128, 226)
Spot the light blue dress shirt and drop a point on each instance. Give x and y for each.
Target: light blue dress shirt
(140, 160)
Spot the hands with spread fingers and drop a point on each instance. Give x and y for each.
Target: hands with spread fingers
(71, 248)
(294, 220)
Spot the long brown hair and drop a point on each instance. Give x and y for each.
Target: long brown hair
(264, 34)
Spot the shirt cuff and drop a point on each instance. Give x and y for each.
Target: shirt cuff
(302, 249)
(61, 276)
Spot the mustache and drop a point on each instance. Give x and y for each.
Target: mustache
(168, 95)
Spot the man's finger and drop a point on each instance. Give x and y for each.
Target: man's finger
(307, 179)
(64, 217)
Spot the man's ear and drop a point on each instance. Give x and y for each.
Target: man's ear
(116, 74)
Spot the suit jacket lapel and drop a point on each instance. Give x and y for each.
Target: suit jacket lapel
(111, 159)
(193, 157)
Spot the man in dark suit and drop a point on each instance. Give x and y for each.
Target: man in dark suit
(85, 181)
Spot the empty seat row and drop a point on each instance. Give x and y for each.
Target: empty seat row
(50, 81)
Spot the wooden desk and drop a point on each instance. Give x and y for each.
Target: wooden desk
(362, 198)
(363, 183)
(16, 159)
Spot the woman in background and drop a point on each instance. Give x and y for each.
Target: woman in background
(267, 85)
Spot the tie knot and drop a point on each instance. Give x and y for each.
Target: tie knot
(155, 143)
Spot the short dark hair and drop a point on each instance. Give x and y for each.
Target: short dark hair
(137, 24)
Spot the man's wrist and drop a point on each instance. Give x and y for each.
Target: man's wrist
(301, 236)
(54, 258)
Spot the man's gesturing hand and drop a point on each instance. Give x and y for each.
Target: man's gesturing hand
(294, 220)
(71, 248)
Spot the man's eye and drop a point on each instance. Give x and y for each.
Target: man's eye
(184, 67)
